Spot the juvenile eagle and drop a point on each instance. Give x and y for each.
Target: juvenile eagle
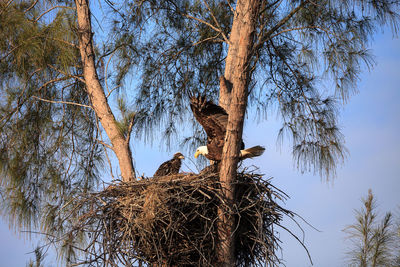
(171, 166)
(214, 120)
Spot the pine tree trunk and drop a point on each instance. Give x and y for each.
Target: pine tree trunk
(237, 76)
(119, 143)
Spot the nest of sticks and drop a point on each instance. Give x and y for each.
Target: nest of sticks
(172, 221)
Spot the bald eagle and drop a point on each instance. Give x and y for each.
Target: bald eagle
(214, 120)
(171, 166)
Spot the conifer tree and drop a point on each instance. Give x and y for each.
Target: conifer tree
(276, 54)
(248, 54)
(47, 125)
(374, 243)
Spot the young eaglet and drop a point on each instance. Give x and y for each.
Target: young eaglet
(214, 120)
(171, 166)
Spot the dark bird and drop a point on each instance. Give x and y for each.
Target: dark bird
(214, 120)
(171, 166)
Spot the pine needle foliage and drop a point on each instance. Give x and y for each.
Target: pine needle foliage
(171, 49)
(47, 128)
(374, 243)
(39, 258)
(306, 63)
(171, 57)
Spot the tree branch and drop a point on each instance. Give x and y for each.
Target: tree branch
(130, 126)
(298, 239)
(105, 75)
(16, 47)
(203, 21)
(32, 6)
(269, 6)
(62, 102)
(50, 9)
(216, 22)
(208, 24)
(66, 74)
(216, 40)
(297, 78)
(63, 41)
(265, 37)
(293, 29)
(105, 144)
(96, 92)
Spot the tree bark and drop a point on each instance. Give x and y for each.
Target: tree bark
(120, 144)
(237, 77)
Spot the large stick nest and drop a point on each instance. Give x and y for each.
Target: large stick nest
(172, 221)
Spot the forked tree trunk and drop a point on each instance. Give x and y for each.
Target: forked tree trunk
(120, 144)
(237, 75)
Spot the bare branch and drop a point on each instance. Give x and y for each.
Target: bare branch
(130, 126)
(298, 240)
(32, 6)
(62, 102)
(203, 21)
(265, 37)
(216, 22)
(105, 75)
(269, 6)
(293, 29)
(63, 41)
(66, 74)
(112, 90)
(54, 81)
(50, 9)
(214, 38)
(230, 6)
(105, 144)
(209, 25)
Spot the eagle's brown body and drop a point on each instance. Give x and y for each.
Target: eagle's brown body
(214, 120)
(171, 166)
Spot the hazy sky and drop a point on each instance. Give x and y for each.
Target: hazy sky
(371, 125)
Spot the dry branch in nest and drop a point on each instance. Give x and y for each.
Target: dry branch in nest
(171, 221)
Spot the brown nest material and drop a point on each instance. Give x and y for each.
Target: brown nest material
(172, 221)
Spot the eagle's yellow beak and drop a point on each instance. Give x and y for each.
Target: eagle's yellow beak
(181, 157)
(196, 154)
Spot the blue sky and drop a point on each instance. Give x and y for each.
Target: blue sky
(371, 125)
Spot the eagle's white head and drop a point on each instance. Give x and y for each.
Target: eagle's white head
(201, 150)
